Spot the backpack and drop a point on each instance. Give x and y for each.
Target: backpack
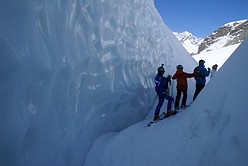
(197, 73)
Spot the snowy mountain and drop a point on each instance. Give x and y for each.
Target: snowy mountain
(189, 41)
(229, 34)
(77, 89)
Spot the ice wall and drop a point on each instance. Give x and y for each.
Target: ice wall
(72, 70)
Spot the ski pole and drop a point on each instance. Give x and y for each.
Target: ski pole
(172, 87)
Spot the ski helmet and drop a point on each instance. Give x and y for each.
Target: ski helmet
(161, 68)
(201, 61)
(215, 66)
(180, 67)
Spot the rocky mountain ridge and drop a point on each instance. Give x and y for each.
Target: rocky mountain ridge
(228, 34)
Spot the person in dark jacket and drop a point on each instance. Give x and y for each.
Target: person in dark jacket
(200, 76)
(161, 86)
(182, 85)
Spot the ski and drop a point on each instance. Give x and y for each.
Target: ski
(183, 108)
(164, 116)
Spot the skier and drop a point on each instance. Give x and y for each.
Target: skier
(214, 70)
(200, 76)
(161, 86)
(182, 85)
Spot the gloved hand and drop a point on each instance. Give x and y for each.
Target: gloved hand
(209, 69)
(169, 79)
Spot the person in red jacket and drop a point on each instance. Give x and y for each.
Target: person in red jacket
(182, 85)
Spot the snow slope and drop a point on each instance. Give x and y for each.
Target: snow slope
(217, 56)
(72, 71)
(212, 131)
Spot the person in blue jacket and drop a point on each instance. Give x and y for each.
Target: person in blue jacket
(200, 76)
(161, 86)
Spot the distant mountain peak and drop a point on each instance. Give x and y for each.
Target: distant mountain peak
(189, 41)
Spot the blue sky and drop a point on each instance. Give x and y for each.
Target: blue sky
(200, 17)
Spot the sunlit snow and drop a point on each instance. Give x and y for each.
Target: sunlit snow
(218, 56)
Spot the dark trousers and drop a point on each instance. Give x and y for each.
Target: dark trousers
(198, 89)
(178, 97)
(161, 97)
